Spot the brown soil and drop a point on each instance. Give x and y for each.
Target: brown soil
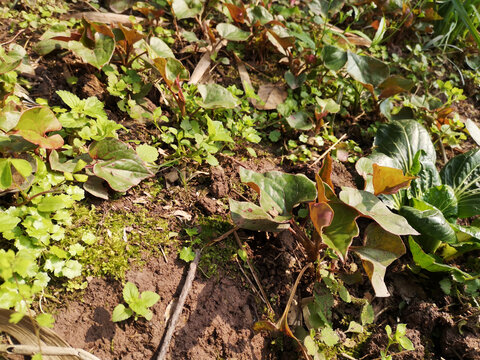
(216, 322)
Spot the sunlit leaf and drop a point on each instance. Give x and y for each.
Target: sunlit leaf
(33, 125)
(462, 173)
(99, 55)
(160, 48)
(387, 180)
(184, 9)
(370, 206)
(473, 130)
(279, 193)
(430, 223)
(431, 262)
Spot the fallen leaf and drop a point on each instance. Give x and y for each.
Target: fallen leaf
(272, 95)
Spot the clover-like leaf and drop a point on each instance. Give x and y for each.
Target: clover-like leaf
(370, 206)
(35, 123)
(380, 249)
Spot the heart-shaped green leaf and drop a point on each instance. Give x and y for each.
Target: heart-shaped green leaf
(118, 164)
(33, 125)
(279, 193)
(184, 9)
(159, 48)
(333, 57)
(247, 215)
(100, 54)
(215, 96)
(366, 69)
(370, 206)
(380, 249)
(232, 33)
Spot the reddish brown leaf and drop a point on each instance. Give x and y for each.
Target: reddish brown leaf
(237, 13)
(394, 85)
(103, 29)
(326, 171)
(321, 215)
(131, 35)
(321, 197)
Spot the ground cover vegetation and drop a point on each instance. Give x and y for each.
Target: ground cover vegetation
(313, 138)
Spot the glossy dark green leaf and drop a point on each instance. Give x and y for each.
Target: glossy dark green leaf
(430, 223)
(366, 69)
(462, 173)
(401, 141)
(444, 199)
